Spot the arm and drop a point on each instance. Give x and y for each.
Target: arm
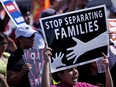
(46, 69)
(11, 45)
(13, 78)
(109, 81)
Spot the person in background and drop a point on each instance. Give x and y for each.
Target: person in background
(25, 11)
(17, 68)
(112, 47)
(55, 8)
(92, 75)
(69, 77)
(112, 52)
(3, 59)
(39, 42)
(26, 15)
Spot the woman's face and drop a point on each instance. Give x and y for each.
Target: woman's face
(70, 76)
(3, 45)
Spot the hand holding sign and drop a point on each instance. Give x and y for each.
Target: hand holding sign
(26, 67)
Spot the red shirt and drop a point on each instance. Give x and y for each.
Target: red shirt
(79, 84)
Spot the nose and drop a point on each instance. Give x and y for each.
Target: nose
(75, 71)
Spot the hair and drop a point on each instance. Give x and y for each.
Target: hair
(3, 36)
(24, 10)
(55, 76)
(17, 42)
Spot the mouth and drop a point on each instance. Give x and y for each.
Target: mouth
(75, 79)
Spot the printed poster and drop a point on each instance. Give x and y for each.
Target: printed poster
(77, 37)
(13, 11)
(34, 57)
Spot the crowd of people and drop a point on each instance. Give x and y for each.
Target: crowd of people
(14, 70)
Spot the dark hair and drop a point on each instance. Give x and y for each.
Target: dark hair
(24, 10)
(3, 36)
(55, 76)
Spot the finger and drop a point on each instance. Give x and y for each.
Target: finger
(46, 46)
(75, 39)
(70, 54)
(105, 57)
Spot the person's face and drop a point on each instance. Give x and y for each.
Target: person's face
(70, 76)
(3, 45)
(27, 18)
(27, 42)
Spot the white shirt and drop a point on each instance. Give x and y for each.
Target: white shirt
(39, 42)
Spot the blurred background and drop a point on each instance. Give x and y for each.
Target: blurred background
(33, 9)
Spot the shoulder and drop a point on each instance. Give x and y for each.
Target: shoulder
(15, 56)
(6, 54)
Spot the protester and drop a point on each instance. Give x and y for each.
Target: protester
(112, 60)
(112, 47)
(69, 77)
(17, 68)
(26, 15)
(39, 37)
(25, 11)
(3, 60)
(89, 73)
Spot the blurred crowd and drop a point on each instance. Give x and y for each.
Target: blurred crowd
(13, 39)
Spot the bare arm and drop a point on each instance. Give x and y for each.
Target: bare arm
(46, 69)
(11, 45)
(109, 81)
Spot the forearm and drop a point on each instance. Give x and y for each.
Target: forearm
(15, 78)
(109, 81)
(45, 76)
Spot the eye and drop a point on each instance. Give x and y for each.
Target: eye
(3, 43)
(70, 69)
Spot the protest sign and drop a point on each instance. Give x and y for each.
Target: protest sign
(13, 11)
(76, 37)
(35, 58)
